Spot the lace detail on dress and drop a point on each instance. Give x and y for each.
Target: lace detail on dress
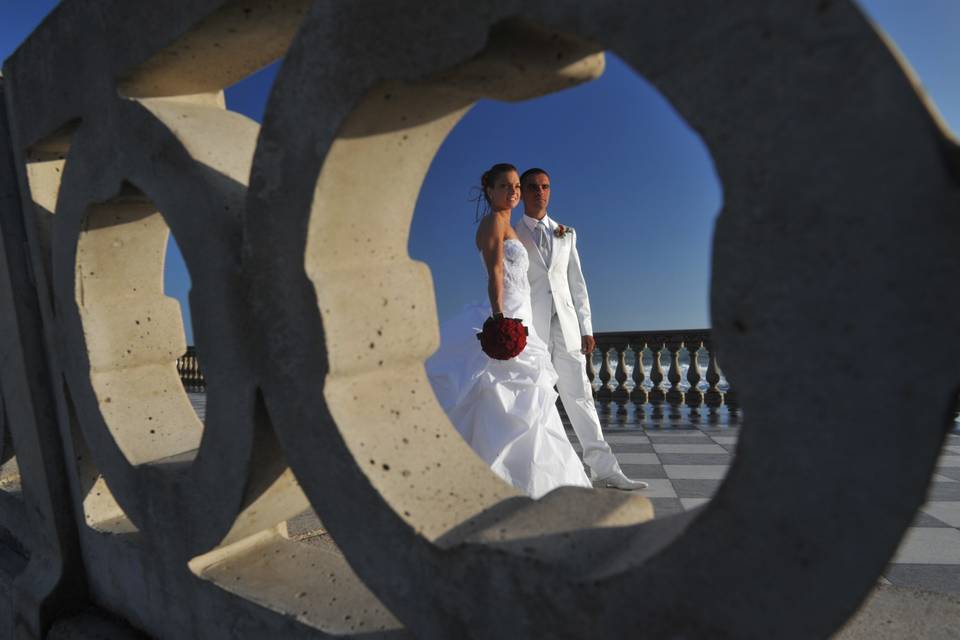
(515, 264)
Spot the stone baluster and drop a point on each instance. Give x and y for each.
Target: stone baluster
(674, 394)
(591, 372)
(639, 395)
(694, 396)
(194, 373)
(713, 398)
(656, 396)
(731, 398)
(732, 401)
(184, 367)
(605, 392)
(621, 395)
(197, 380)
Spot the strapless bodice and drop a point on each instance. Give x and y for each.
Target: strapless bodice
(515, 265)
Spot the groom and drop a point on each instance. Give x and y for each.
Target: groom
(561, 317)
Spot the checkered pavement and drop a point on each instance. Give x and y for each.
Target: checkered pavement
(684, 467)
(685, 463)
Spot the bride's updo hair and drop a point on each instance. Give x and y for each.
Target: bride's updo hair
(488, 179)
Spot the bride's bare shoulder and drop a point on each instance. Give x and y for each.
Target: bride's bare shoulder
(492, 227)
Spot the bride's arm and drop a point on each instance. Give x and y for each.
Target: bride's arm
(490, 241)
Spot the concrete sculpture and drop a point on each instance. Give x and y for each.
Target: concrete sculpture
(303, 313)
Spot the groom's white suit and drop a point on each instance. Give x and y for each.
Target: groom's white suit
(561, 317)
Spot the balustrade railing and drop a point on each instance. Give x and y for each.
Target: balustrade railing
(191, 375)
(631, 372)
(620, 382)
(700, 391)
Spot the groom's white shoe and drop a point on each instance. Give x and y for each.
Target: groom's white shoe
(617, 480)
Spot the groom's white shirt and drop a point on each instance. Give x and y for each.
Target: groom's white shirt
(557, 287)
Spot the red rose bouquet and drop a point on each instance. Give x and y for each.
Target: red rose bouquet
(503, 338)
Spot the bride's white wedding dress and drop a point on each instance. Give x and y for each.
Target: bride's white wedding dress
(506, 409)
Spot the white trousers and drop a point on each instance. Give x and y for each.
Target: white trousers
(577, 398)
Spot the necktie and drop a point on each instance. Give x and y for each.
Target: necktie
(543, 242)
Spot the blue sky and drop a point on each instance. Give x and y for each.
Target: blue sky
(626, 170)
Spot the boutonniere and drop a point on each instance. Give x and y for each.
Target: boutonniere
(561, 231)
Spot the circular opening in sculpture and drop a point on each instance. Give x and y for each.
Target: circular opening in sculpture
(134, 333)
(626, 172)
(371, 352)
(377, 304)
(177, 285)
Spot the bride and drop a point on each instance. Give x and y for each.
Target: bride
(505, 409)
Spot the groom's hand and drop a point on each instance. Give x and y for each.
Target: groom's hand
(587, 344)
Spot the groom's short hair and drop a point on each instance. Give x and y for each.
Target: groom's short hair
(532, 172)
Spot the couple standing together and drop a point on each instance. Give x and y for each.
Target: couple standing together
(506, 409)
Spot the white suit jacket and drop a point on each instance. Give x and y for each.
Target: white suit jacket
(559, 288)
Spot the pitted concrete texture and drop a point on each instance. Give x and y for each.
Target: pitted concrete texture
(840, 196)
(894, 613)
(93, 626)
(39, 559)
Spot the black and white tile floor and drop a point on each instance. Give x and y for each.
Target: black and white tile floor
(684, 464)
